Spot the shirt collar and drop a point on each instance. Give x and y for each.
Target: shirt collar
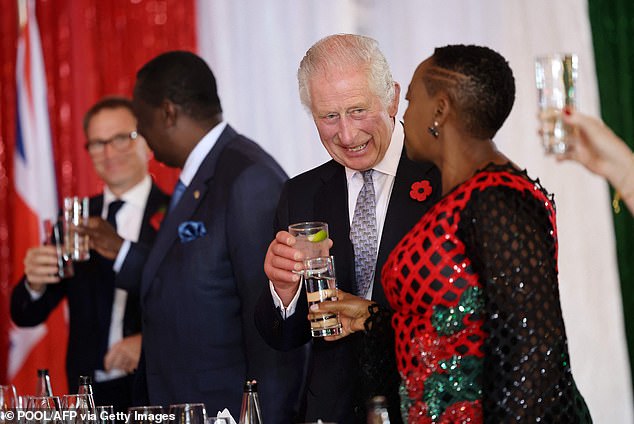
(389, 163)
(199, 153)
(135, 196)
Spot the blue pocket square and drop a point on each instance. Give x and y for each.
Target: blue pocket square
(191, 230)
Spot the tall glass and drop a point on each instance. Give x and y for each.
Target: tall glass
(311, 238)
(76, 213)
(556, 81)
(321, 284)
(53, 230)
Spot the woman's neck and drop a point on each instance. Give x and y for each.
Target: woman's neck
(461, 160)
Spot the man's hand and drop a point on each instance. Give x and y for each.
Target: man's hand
(353, 312)
(103, 237)
(40, 267)
(280, 262)
(124, 354)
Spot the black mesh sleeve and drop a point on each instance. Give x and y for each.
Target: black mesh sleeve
(526, 376)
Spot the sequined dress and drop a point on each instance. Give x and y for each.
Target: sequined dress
(478, 325)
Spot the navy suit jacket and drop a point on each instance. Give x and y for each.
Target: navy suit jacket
(90, 294)
(198, 297)
(336, 390)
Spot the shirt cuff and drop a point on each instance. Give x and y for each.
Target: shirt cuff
(286, 311)
(123, 252)
(35, 295)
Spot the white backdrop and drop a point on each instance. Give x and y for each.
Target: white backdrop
(254, 48)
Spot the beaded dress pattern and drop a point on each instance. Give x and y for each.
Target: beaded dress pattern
(478, 325)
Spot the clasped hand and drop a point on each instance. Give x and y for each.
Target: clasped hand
(103, 237)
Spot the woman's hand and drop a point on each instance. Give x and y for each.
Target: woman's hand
(352, 310)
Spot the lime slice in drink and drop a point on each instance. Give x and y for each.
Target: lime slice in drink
(318, 236)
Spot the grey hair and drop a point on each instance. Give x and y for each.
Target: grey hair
(346, 51)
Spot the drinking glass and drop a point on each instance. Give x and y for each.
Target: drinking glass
(556, 81)
(216, 420)
(53, 233)
(8, 404)
(43, 407)
(188, 413)
(105, 414)
(144, 414)
(311, 238)
(8, 398)
(76, 213)
(79, 406)
(321, 285)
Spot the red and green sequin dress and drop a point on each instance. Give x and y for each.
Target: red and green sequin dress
(479, 334)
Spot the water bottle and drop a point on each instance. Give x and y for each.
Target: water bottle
(377, 411)
(250, 410)
(43, 383)
(85, 388)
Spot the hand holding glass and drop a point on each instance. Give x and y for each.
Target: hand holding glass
(321, 285)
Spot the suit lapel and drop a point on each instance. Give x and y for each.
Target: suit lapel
(156, 200)
(403, 211)
(184, 210)
(331, 203)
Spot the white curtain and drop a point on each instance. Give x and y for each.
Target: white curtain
(255, 46)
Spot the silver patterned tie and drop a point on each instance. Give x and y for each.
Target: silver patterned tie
(363, 235)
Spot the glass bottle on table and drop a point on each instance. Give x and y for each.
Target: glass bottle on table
(85, 388)
(250, 411)
(43, 387)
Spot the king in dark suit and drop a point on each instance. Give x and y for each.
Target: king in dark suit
(202, 277)
(345, 81)
(101, 344)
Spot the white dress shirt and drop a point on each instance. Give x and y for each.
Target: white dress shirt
(129, 221)
(383, 179)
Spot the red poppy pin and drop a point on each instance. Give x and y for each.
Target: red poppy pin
(157, 218)
(420, 190)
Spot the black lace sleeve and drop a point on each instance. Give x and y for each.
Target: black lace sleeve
(377, 359)
(527, 377)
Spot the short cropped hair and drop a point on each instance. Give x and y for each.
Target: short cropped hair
(183, 78)
(111, 102)
(345, 51)
(479, 83)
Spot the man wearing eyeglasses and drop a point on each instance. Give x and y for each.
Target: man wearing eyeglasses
(105, 323)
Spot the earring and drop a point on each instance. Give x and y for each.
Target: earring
(433, 130)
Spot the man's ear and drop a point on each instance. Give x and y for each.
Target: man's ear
(169, 113)
(392, 109)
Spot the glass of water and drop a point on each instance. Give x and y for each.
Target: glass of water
(321, 284)
(556, 81)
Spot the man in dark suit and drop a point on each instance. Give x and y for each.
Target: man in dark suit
(104, 323)
(346, 83)
(202, 277)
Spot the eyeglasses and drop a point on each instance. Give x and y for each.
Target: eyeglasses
(119, 142)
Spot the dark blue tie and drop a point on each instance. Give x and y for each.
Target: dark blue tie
(177, 194)
(113, 208)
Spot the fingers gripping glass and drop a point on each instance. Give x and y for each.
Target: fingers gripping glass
(119, 142)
